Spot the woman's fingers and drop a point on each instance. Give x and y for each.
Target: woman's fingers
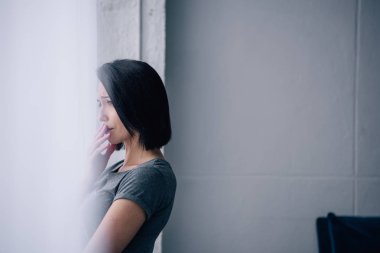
(102, 139)
(100, 149)
(100, 131)
(99, 142)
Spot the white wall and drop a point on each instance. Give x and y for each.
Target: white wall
(47, 106)
(275, 113)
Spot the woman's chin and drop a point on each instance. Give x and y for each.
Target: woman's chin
(113, 141)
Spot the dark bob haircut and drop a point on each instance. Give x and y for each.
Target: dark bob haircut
(139, 97)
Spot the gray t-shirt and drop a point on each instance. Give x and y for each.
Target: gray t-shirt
(151, 185)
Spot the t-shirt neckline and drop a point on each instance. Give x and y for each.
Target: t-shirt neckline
(120, 163)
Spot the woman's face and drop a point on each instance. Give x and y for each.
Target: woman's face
(108, 116)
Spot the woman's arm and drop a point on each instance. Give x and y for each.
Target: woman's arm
(118, 227)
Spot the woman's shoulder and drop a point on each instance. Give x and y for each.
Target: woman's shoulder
(153, 183)
(154, 173)
(156, 167)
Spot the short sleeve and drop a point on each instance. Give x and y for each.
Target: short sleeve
(145, 186)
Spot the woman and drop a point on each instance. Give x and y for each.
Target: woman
(130, 202)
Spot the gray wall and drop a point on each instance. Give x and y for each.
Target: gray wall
(275, 114)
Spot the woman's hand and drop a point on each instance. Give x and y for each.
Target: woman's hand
(99, 154)
(100, 151)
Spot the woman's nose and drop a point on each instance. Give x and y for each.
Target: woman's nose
(101, 115)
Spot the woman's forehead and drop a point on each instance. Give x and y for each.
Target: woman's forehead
(102, 91)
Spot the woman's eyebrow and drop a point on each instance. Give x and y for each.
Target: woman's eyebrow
(104, 96)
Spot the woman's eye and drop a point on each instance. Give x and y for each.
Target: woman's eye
(100, 103)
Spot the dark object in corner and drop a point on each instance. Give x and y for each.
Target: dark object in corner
(348, 234)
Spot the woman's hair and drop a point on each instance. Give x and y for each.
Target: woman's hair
(139, 97)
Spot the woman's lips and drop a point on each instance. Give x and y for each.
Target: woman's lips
(108, 130)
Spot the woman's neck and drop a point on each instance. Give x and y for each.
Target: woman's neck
(135, 154)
